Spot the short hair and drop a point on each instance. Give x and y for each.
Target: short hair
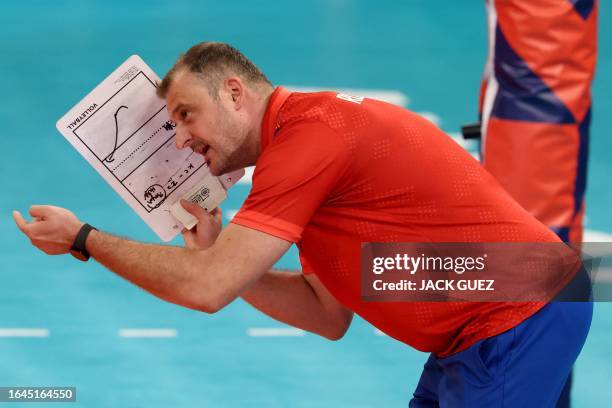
(210, 60)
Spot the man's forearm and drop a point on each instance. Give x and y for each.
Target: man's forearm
(206, 279)
(289, 298)
(165, 271)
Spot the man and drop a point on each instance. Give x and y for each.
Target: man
(333, 171)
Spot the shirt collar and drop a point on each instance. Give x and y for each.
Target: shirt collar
(269, 124)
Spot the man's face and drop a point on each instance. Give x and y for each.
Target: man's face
(210, 127)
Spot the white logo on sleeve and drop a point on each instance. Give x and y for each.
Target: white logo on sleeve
(350, 98)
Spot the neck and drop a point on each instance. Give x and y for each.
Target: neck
(259, 109)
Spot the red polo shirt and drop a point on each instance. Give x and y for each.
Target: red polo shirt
(336, 171)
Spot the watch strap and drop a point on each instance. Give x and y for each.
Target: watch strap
(79, 242)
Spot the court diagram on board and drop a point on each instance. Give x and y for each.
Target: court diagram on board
(131, 135)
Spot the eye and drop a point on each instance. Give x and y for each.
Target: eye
(183, 113)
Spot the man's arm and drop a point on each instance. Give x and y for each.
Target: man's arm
(206, 279)
(301, 301)
(202, 279)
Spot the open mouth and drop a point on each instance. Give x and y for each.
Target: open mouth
(202, 150)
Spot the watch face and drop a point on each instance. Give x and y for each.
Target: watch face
(78, 255)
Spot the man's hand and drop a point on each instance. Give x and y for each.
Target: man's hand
(204, 280)
(205, 233)
(52, 229)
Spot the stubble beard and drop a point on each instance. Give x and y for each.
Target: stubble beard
(235, 152)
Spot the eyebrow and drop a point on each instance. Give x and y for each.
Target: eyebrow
(178, 107)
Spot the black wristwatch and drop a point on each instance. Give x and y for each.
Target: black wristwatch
(78, 249)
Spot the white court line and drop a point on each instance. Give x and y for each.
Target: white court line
(387, 95)
(596, 243)
(603, 275)
(148, 333)
(248, 176)
(458, 138)
(24, 333)
(596, 236)
(378, 332)
(275, 332)
(229, 214)
(432, 117)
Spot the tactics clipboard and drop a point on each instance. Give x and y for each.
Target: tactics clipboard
(123, 130)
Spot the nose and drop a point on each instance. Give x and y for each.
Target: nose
(183, 137)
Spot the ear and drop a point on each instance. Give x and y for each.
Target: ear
(235, 87)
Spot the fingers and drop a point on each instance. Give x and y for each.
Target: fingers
(30, 229)
(22, 224)
(38, 211)
(52, 229)
(217, 214)
(189, 238)
(194, 209)
(200, 213)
